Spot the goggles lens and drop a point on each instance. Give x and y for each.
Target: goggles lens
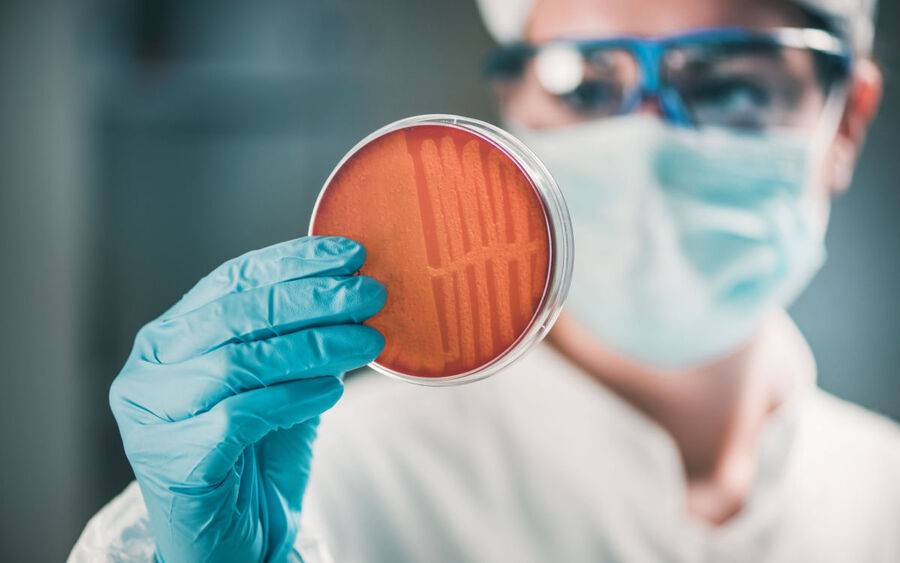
(595, 83)
(751, 82)
(750, 86)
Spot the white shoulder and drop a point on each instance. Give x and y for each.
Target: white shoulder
(855, 443)
(857, 425)
(118, 533)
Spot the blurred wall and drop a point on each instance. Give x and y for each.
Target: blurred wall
(43, 236)
(145, 142)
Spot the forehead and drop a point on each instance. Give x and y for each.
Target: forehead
(555, 18)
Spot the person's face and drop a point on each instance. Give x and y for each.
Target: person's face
(529, 104)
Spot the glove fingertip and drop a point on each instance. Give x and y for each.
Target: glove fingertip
(339, 246)
(374, 293)
(375, 342)
(329, 390)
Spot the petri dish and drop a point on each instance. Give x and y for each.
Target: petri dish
(470, 235)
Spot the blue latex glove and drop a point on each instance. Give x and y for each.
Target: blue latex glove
(218, 402)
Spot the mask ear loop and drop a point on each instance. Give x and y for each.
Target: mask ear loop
(822, 136)
(830, 120)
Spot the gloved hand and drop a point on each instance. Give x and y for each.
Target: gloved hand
(218, 402)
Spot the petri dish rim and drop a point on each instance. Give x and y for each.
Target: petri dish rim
(560, 233)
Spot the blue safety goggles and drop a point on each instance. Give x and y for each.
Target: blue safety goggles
(729, 77)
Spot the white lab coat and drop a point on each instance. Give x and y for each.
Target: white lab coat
(540, 464)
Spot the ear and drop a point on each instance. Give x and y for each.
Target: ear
(862, 105)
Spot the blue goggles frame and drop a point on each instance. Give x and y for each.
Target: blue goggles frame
(650, 53)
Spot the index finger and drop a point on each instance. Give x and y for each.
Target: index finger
(294, 259)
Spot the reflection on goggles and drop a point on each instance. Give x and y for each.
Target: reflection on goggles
(728, 77)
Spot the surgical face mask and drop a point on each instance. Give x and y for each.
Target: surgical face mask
(685, 239)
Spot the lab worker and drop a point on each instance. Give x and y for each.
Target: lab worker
(673, 413)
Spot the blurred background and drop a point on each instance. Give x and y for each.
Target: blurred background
(145, 142)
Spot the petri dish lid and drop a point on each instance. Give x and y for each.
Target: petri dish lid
(470, 235)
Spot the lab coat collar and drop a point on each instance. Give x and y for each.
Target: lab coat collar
(782, 354)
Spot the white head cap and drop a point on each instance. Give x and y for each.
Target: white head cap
(853, 19)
